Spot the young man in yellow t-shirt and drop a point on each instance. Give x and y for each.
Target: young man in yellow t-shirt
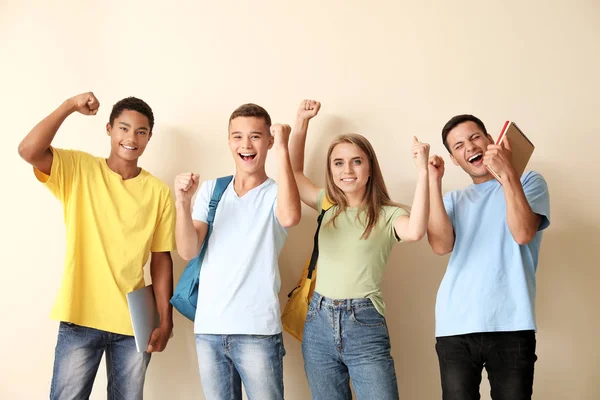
(116, 214)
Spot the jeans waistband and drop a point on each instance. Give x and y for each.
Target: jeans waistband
(322, 301)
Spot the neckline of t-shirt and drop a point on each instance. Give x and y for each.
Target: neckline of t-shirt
(356, 209)
(485, 185)
(118, 176)
(232, 186)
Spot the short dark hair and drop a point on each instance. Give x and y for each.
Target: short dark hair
(133, 104)
(251, 110)
(457, 120)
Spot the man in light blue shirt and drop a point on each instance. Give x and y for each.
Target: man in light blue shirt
(485, 309)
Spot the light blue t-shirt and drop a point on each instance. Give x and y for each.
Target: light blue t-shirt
(239, 278)
(489, 285)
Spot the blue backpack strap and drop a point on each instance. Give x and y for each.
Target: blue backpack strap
(185, 297)
(220, 187)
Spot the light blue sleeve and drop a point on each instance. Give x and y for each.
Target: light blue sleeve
(449, 205)
(536, 191)
(200, 210)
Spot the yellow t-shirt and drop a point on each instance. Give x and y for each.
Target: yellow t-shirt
(112, 226)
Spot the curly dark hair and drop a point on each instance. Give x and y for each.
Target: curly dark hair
(133, 104)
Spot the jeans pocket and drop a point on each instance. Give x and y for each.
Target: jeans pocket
(367, 317)
(261, 337)
(311, 314)
(520, 354)
(452, 352)
(71, 328)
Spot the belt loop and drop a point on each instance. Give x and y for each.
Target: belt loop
(349, 305)
(319, 303)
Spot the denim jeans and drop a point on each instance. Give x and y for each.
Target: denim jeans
(77, 357)
(227, 361)
(508, 357)
(343, 340)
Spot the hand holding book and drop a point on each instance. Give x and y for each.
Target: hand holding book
(510, 154)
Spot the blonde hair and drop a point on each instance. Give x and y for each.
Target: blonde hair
(376, 194)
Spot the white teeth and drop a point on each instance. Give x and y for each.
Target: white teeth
(348, 179)
(247, 154)
(474, 156)
(128, 147)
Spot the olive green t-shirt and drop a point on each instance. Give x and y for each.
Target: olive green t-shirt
(350, 267)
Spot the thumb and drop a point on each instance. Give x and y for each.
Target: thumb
(152, 341)
(506, 143)
(415, 139)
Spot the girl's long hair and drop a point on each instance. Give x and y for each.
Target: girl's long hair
(376, 194)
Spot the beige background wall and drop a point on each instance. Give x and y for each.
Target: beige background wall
(387, 69)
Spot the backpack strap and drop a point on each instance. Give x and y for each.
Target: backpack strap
(325, 205)
(220, 187)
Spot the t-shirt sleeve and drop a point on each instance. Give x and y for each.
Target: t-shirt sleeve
(65, 164)
(449, 206)
(164, 234)
(320, 198)
(200, 210)
(536, 192)
(393, 214)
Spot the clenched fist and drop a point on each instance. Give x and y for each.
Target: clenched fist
(85, 103)
(420, 152)
(308, 109)
(186, 185)
(436, 167)
(281, 133)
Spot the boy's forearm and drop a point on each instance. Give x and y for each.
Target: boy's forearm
(39, 139)
(186, 236)
(161, 270)
(523, 223)
(288, 197)
(440, 232)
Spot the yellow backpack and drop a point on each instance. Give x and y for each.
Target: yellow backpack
(294, 313)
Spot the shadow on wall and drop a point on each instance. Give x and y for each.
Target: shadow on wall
(565, 323)
(177, 364)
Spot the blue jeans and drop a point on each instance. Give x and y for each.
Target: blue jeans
(227, 361)
(343, 340)
(77, 357)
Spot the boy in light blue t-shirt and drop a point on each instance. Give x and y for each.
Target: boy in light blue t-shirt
(485, 309)
(238, 322)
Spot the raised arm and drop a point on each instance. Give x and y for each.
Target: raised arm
(189, 234)
(307, 189)
(412, 228)
(288, 210)
(440, 232)
(523, 223)
(35, 147)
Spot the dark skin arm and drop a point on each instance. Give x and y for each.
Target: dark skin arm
(35, 147)
(161, 270)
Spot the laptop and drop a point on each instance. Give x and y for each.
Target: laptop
(521, 148)
(144, 315)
